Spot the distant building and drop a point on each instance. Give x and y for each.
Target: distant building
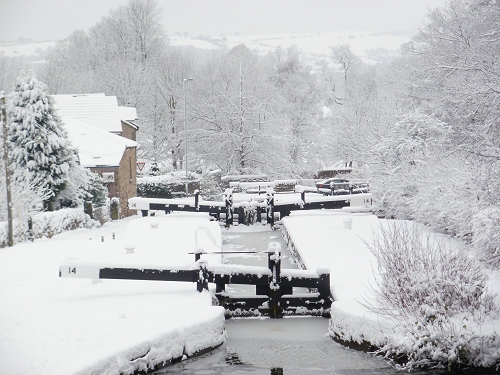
(104, 139)
(340, 169)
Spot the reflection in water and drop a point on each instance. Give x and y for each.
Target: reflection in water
(231, 357)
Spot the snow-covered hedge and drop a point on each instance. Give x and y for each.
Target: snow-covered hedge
(46, 224)
(163, 186)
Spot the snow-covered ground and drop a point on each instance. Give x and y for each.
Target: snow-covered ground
(339, 240)
(316, 46)
(324, 241)
(27, 49)
(52, 325)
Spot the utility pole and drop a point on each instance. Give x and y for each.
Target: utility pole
(185, 134)
(7, 169)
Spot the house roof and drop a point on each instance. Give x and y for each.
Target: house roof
(98, 110)
(96, 147)
(127, 113)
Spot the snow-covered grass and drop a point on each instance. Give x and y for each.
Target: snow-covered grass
(341, 241)
(52, 325)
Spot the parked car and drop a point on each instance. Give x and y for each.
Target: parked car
(333, 186)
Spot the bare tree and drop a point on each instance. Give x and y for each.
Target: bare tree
(347, 60)
(237, 129)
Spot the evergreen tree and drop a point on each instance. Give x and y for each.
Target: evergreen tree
(38, 141)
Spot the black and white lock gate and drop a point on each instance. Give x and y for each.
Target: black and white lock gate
(273, 286)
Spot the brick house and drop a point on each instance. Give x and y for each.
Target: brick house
(128, 117)
(106, 144)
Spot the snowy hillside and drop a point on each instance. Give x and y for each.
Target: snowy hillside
(372, 47)
(27, 50)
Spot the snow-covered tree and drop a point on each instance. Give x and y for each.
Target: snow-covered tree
(9, 70)
(28, 194)
(238, 129)
(455, 71)
(162, 119)
(361, 103)
(37, 139)
(115, 56)
(298, 107)
(348, 61)
(402, 160)
(69, 66)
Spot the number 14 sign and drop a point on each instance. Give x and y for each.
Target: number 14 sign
(79, 271)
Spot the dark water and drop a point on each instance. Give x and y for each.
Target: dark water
(281, 346)
(291, 346)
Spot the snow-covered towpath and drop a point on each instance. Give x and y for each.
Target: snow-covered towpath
(52, 325)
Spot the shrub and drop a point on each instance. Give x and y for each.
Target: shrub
(486, 234)
(163, 186)
(435, 295)
(46, 224)
(210, 185)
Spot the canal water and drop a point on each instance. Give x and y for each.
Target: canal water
(291, 346)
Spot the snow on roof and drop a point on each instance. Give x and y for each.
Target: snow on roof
(127, 113)
(96, 147)
(98, 110)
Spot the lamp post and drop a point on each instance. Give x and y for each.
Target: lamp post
(7, 170)
(185, 134)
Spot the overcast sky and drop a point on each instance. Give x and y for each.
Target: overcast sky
(56, 19)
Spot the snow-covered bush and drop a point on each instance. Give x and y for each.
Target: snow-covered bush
(97, 192)
(115, 210)
(80, 186)
(95, 197)
(152, 187)
(447, 196)
(103, 213)
(46, 224)
(486, 234)
(163, 186)
(211, 185)
(436, 295)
